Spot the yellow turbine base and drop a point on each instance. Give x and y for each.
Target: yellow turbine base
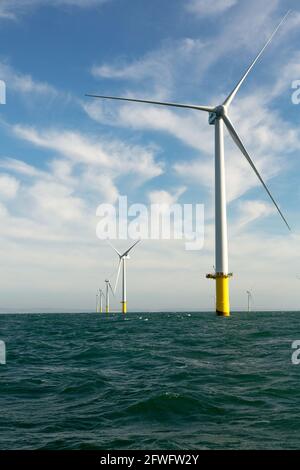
(107, 310)
(222, 296)
(124, 307)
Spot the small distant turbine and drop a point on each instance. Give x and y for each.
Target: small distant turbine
(97, 303)
(218, 116)
(108, 287)
(249, 300)
(101, 296)
(122, 261)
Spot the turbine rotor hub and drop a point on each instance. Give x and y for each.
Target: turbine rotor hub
(220, 111)
(217, 113)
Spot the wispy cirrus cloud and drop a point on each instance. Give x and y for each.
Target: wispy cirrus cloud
(25, 84)
(11, 9)
(250, 211)
(209, 7)
(158, 71)
(167, 198)
(8, 186)
(115, 157)
(20, 167)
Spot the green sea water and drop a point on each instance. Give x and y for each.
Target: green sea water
(150, 381)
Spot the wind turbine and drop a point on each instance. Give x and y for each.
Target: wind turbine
(249, 300)
(108, 286)
(101, 295)
(97, 303)
(122, 261)
(218, 116)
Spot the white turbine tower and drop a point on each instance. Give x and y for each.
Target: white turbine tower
(97, 302)
(107, 286)
(218, 116)
(101, 296)
(249, 300)
(122, 263)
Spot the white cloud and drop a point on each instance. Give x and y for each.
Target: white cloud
(115, 157)
(41, 204)
(197, 171)
(62, 170)
(164, 197)
(25, 84)
(289, 71)
(209, 7)
(159, 63)
(157, 71)
(11, 9)
(102, 183)
(55, 199)
(60, 203)
(22, 168)
(8, 186)
(250, 211)
(151, 65)
(188, 126)
(68, 143)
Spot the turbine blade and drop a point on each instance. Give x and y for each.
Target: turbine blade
(238, 85)
(118, 274)
(129, 249)
(240, 145)
(115, 249)
(111, 288)
(161, 103)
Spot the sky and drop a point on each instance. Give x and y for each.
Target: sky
(63, 154)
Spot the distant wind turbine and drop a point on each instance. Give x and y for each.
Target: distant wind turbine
(108, 287)
(218, 116)
(97, 302)
(249, 300)
(122, 263)
(101, 296)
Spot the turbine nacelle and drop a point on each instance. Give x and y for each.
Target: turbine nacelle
(218, 112)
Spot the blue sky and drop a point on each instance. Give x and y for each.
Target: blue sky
(63, 154)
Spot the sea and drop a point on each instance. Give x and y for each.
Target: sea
(150, 381)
